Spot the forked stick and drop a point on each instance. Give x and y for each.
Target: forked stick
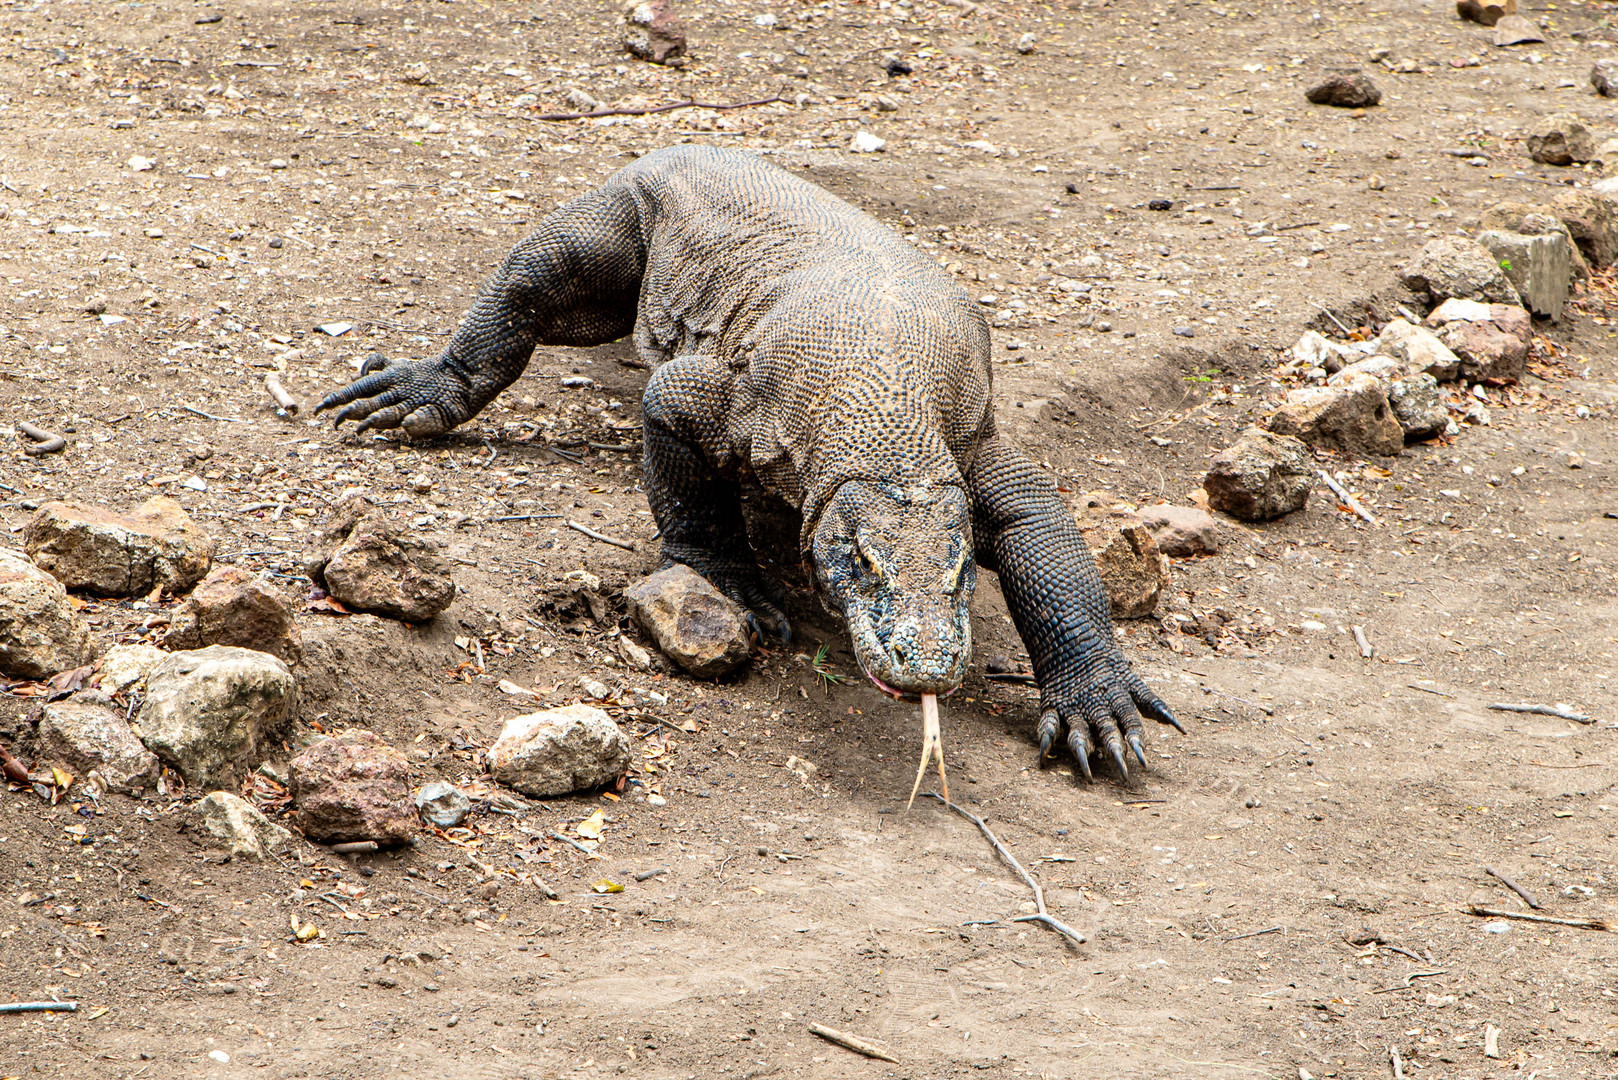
(932, 743)
(1043, 915)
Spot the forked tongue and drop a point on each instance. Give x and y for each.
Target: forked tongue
(932, 745)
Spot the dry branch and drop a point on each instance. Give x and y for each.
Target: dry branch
(1348, 500)
(1496, 913)
(1544, 710)
(852, 1042)
(647, 110)
(1513, 886)
(44, 442)
(283, 400)
(627, 545)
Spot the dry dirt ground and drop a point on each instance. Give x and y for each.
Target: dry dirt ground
(367, 163)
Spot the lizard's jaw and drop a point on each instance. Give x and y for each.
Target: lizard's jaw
(921, 655)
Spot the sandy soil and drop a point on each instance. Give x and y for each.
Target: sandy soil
(367, 163)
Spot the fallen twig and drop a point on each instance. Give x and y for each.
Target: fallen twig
(1348, 500)
(1545, 710)
(357, 847)
(45, 442)
(1043, 916)
(1491, 1041)
(1496, 913)
(527, 517)
(1324, 311)
(1513, 886)
(1398, 1064)
(852, 1042)
(43, 1006)
(1256, 933)
(193, 410)
(648, 110)
(627, 545)
(564, 838)
(1407, 984)
(1428, 690)
(1366, 648)
(284, 401)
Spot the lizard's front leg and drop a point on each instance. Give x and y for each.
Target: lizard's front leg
(575, 281)
(699, 510)
(1023, 530)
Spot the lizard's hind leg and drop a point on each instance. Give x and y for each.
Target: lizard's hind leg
(699, 510)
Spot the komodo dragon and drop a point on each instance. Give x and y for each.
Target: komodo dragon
(800, 344)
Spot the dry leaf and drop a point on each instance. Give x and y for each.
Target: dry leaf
(606, 885)
(590, 828)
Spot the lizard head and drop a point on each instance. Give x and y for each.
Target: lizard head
(896, 562)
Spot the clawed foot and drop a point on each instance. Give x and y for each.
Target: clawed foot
(739, 578)
(1103, 710)
(411, 394)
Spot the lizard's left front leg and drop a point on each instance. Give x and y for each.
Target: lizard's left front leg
(1024, 531)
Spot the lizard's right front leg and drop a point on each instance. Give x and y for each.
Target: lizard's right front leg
(698, 510)
(575, 281)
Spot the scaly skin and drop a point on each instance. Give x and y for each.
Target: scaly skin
(801, 345)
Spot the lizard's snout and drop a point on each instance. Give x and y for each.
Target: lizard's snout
(922, 655)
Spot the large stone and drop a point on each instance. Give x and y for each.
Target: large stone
(1604, 77)
(238, 828)
(573, 748)
(653, 32)
(1418, 349)
(1352, 417)
(353, 786)
(1385, 368)
(1132, 569)
(1346, 90)
(1516, 217)
(379, 568)
(1418, 406)
(124, 667)
(40, 631)
(1487, 353)
(1182, 531)
(1560, 140)
(693, 623)
(1540, 267)
(441, 805)
(235, 607)
(88, 731)
(1261, 477)
(1455, 266)
(1516, 30)
(1592, 222)
(88, 547)
(208, 713)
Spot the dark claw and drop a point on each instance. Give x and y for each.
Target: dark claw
(1044, 745)
(1049, 724)
(1075, 743)
(1116, 749)
(1134, 744)
(374, 362)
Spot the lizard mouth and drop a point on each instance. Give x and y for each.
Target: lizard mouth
(903, 695)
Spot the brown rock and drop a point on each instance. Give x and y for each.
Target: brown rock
(1132, 569)
(693, 623)
(1182, 531)
(1592, 222)
(1261, 477)
(40, 632)
(88, 547)
(1346, 90)
(1516, 30)
(556, 751)
(1454, 266)
(87, 731)
(1485, 13)
(235, 607)
(380, 568)
(1487, 353)
(353, 786)
(1560, 140)
(1604, 77)
(653, 32)
(1352, 417)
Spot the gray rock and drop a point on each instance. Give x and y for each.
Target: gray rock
(1592, 221)
(1453, 266)
(40, 632)
(572, 748)
(208, 713)
(1515, 217)
(124, 667)
(1516, 30)
(89, 547)
(378, 567)
(1352, 417)
(1345, 90)
(1182, 531)
(87, 731)
(1419, 349)
(238, 827)
(1560, 140)
(1539, 267)
(693, 623)
(235, 607)
(1133, 571)
(1418, 406)
(442, 805)
(1604, 77)
(1261, 477)
(353, 786)
(653, 32)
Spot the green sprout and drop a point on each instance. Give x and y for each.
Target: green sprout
(822, 665)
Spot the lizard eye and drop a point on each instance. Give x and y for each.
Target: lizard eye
(867, 564)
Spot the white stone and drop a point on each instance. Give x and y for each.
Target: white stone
(1457, 310)
(126, 666)
(1419, 348)
(40, 631)
(239, 827)
(208, 712)
(556, 751)
(866, 143)
(141, 164)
